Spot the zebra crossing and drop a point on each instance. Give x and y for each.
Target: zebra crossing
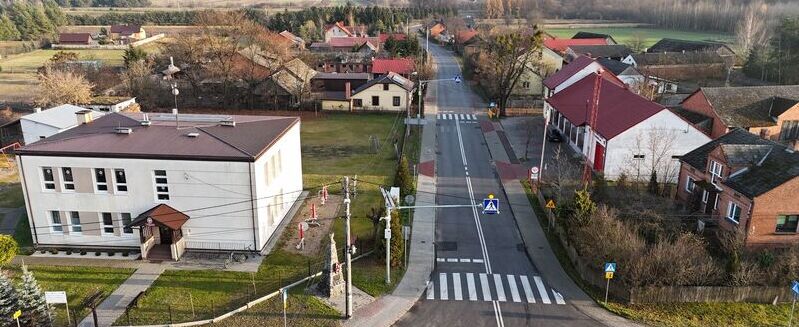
(491, 287)
(461, 117)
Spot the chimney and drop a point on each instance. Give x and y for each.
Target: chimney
(347, 90)
(84, 116)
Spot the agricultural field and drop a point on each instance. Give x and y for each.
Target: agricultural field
(31, 61)
(650, 35)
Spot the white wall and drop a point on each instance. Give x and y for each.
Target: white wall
(192, 185)
(664, 131)
(32, 131)
(587, 70)
(283, 190)
(386, 97)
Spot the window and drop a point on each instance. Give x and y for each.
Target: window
(716, 202)
(639, 156)
(120, 180)
(716, 168)
(126, 219)
(55, 219)
(357, 103)
(108, 223)
(100, 182)
(787, 223)
(734, 212)
(396, 101)
(525, 85)
(375, 100)
(705, 195)
(161, 185)
(48, 178)
(74, 222)
(385, 87)
(69, 180)
(689, 184)
(790, 130)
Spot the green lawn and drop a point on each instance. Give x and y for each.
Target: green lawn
(332, 147)
(31, 61)
(77, 282)
(705, 314)
(650, 35)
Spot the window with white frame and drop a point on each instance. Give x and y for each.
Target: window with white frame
(48, 178)
(68, 179)
(55, 222)
(716, 202)
(689, 184)
(74, 222)
(108, 223)
(705, 196)
(716, 168)
(734, 212)
(120, 180)
(126, 220)
(100, 180)
(161, 185)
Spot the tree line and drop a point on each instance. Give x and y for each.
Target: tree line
(30, 20)
(104, 3)
(778, 59)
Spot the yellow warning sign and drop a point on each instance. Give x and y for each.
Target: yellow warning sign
(17, 314)
(551, 204)
(609, 275)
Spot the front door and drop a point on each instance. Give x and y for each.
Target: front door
(599, 158)
(165, 234)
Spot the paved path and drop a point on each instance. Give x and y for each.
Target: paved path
(388, 309)
(114, 305)
(11, 216)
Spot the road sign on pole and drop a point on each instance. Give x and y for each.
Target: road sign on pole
(534, 173)
(550, 204)
(795, 290)
(491, 205)
(610, 268)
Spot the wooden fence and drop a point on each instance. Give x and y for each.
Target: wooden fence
(593, 275)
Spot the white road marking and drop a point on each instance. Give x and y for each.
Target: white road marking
(466, 260)
(500, 288)
(452, 260)
(461, 116)
(470, 285)
(528, 292)
(514, 291)
(477, 260)
(449, 116)
(440, 259)
(542, 290)
(486, 288)
(431, 292)
(474, 117)
(442, 286)
(456, 286)
(438, 116)
(558, 297)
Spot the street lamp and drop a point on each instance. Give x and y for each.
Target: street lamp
(457, 79)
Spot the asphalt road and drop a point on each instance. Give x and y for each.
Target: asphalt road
(483, 276)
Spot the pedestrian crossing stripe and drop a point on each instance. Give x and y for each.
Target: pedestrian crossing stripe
(492, 287)
(460, 117)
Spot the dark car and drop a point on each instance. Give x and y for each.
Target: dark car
(553, 135)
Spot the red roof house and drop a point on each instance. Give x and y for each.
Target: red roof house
(624, 126)
(74, 38)
(396, 36)
(575, 71)
(402, 66)
(560, 45)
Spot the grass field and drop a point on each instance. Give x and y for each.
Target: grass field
(31, 61)
(650, 35)
(78, 282)
(332, 146)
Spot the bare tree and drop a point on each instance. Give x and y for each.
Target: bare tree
(63, 86)
(653, 151)
(637, 42)
(752, 29)
(564, 172)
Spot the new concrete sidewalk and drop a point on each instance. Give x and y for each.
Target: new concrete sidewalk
(538, 247)
(114, 305)
(390, 308)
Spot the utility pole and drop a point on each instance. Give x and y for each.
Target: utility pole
(593, 108)
(348, 249)
(388, 244)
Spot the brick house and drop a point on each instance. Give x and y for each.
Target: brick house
(125, 34)
(743, 181)
(769, 111)
(75, 38)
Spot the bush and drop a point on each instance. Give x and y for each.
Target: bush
(8, 249)
(605, 238)
(404, 178)
(684, 261)
(98, 253)
(82, 252)
(584, 207)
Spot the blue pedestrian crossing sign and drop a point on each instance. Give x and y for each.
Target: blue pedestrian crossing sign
(491, 205)
(610, 267)
(795, 287)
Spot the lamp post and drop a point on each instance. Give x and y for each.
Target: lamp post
(421, 83)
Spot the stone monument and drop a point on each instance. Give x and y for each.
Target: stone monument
(332, 282)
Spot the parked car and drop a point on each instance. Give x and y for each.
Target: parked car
(553, 135)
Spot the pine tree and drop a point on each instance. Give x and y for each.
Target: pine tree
(404, 179)
(653, 186)
(35, 311)
(8, 32)
(9, 300)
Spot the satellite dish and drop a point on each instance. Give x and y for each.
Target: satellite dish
(409, 199)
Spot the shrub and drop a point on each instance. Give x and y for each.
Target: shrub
(404, 178)
(82, 252)
(8, 249)
(605, 238)
(584, 207)
(683, 261)
(98, 253)
(111, 253)
(653, 187)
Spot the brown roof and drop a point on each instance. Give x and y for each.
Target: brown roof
(246, 141)
(125, 29)
(74, 37)
(162, 214)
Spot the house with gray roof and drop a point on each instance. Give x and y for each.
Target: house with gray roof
(158, 185)
(591, 35)
(740, 181)
(769, 111)
(608, 51)
(680, 66)
(666, 45)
